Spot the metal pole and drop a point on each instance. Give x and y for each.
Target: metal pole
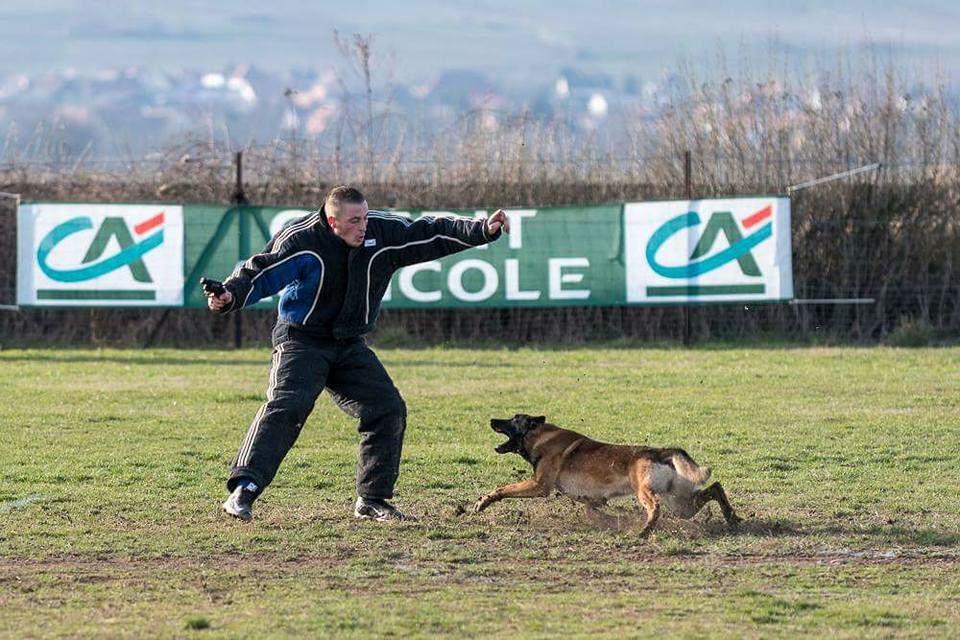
(156, 329)
(240, 199)
(796, 301)
(835, 176)
(16, 266)
(237, 330)
(688, 189)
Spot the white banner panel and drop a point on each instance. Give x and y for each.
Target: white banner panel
(100, 255)
(726, 250)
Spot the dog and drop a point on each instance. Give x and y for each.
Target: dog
(592, 472)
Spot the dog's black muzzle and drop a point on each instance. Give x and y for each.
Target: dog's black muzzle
(507, 428)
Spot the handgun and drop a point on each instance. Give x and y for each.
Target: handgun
(212, 286)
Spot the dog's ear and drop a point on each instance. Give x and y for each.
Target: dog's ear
(538, 419)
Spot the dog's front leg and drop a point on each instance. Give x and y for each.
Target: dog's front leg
(531, 488)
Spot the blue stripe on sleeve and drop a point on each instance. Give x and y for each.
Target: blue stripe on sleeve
(279, 275)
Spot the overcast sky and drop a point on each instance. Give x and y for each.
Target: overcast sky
(515, 42)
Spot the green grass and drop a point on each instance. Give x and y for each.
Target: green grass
(113, 462)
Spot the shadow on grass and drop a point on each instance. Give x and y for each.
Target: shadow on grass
(769, 343)
(709, 525)
(759, 527)
(226, 361)
(139, 360)
(898, 535)
(881, 535)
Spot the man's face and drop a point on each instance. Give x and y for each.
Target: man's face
(350, 222)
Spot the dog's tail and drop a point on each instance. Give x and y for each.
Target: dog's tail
(688, 469)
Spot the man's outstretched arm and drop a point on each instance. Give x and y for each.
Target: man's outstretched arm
(429, 238)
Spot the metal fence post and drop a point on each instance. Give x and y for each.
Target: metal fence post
(239, 199)
(688, 190)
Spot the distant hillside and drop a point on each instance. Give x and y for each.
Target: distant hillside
(514, 42)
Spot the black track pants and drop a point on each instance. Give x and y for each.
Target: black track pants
(301, 368)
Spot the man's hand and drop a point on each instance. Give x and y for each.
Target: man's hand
(219, 302)
(497, 221)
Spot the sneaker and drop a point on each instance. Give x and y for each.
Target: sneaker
(380, 510)
(240, 503)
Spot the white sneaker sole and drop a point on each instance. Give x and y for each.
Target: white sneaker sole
(245, 516)
(360, 516)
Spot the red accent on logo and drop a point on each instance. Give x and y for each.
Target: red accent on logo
(146, 225)
(763, 214)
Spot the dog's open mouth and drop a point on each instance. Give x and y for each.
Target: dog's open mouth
(505, 427)
(507, 447)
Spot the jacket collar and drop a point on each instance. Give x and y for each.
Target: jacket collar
(323, 218)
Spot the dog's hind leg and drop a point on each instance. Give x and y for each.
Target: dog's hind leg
(691, 506)
(531, 488)
(640, 479)
(648, 499)
(716, 492)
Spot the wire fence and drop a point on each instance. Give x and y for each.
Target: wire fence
(890, 235)
(895, 242)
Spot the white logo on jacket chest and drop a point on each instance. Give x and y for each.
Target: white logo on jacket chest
(372, 242)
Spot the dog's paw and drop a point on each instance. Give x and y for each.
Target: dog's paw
(484, 502)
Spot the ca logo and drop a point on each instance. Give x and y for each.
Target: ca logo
(721, 222)
(133, 246)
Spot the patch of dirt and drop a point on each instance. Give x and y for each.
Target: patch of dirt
(88, 569)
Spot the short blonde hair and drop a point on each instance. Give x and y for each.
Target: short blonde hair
(341, 194)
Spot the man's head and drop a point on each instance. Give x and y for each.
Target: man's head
(346, 210)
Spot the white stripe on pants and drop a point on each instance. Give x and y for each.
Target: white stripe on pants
(243, 457)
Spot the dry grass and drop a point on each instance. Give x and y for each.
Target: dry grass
(891, 235)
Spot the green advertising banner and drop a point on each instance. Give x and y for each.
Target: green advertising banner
(552, 257)
(216, 239)
(556, 256)
(670, 252)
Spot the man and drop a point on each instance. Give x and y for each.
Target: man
(334, 267)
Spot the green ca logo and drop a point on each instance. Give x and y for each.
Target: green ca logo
(93, 263)
(721, 222)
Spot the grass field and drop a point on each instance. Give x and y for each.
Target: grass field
(112, 469)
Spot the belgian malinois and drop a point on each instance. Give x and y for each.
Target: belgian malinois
(591, 472)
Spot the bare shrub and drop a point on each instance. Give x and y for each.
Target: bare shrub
(890, 235)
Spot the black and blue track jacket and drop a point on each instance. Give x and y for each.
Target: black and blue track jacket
(333, 289)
